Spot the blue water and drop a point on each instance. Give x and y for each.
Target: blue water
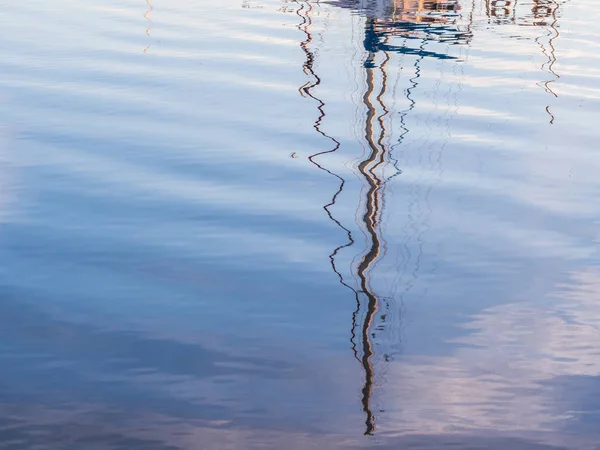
(269, 224)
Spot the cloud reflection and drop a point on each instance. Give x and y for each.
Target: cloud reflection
(509, 372)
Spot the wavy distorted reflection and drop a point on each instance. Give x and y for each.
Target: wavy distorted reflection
(166, 281)
(536, 13)
(421, 21)
(393, 28)
(147, 17)
(409, 20)
(305, 13)
(546, 15)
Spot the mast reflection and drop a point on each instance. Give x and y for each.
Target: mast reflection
(535, 13)
(385, 21)
(545, 14)
(404, 28)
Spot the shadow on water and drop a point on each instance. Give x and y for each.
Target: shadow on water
(385, 22)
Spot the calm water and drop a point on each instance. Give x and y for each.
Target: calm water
(289, 224)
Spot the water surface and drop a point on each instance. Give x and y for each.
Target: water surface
(297, 224)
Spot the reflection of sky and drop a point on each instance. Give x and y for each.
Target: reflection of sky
(522, 367)
(165, 276)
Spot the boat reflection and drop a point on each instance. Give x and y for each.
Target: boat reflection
(405, 28)
(411, 20)
(533, 13)
(386, 21)
(536, 13)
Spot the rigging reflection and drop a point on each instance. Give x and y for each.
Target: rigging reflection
(545, 14)
(535, 13)
(305, 13)
(409, 20)
(419, 21)
(418, 30)
(147, 17)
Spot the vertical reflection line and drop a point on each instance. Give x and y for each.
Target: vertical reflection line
(306, 91)
(414, 215)
(552, 35)
(552, 56)
(370, 219)
(383, 119)
(392, 158)
(393, 299)
(556, 34)
(355, 125)
(380, 100)
(412, 103)
(147, 16)
(413, 188)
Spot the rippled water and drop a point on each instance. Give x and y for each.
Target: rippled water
(292, 224)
